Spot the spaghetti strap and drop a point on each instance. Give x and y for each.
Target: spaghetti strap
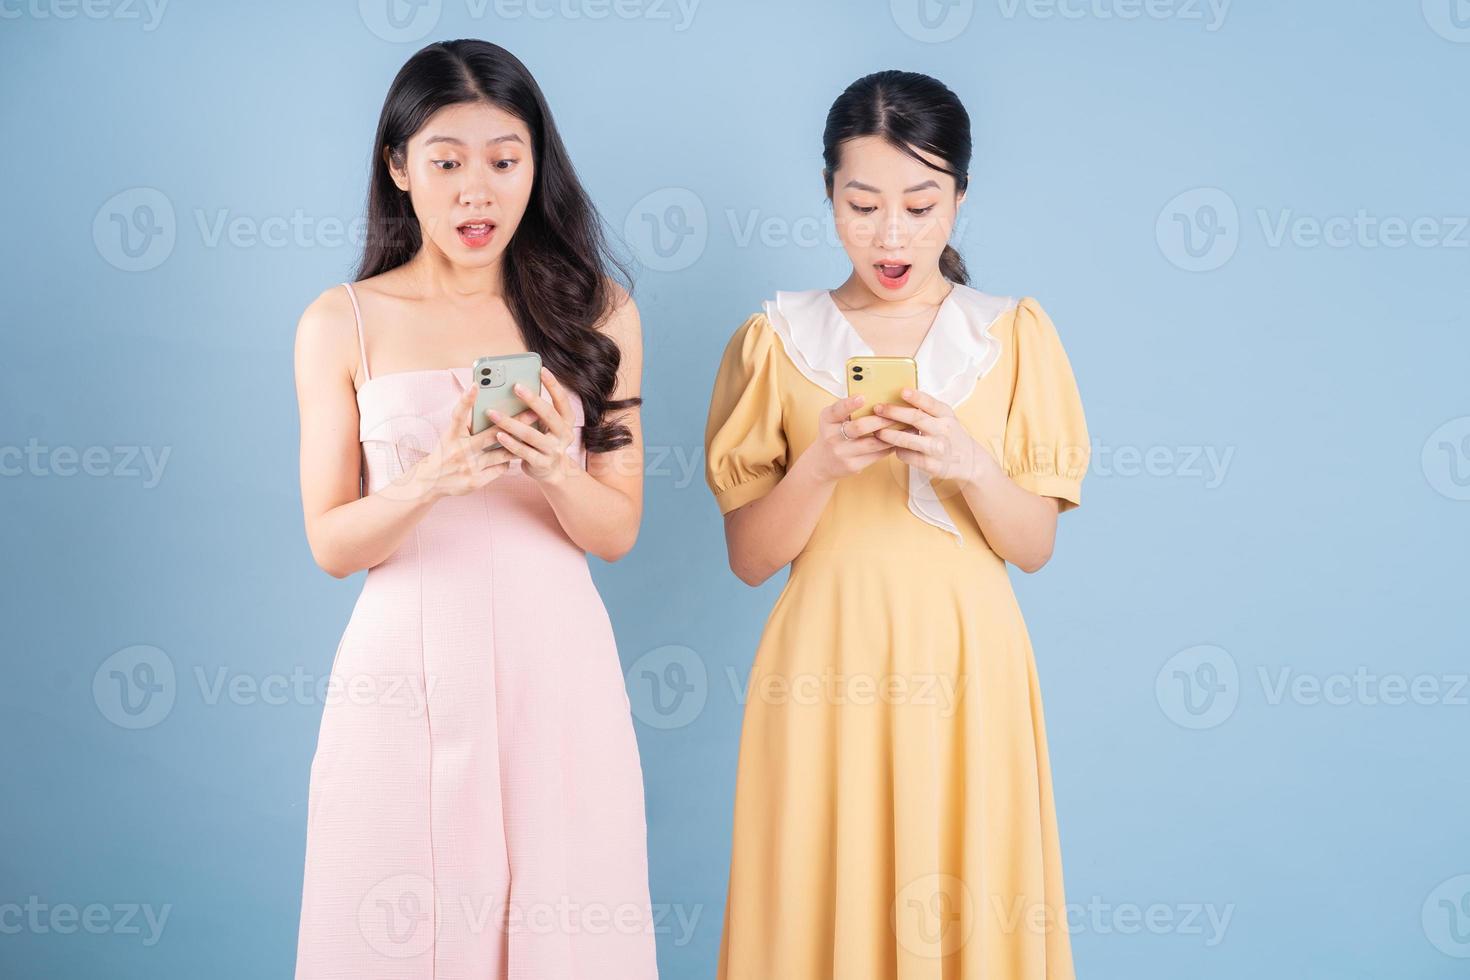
(361, 342)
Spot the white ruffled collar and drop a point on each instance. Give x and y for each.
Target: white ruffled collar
(955, 354)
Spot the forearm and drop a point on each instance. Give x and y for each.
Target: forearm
(362, 533)
(1019, 526)
(766, 534)
(598, 518)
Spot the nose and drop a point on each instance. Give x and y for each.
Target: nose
(892, 231)
(475, 192)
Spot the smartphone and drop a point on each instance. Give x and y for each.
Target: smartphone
(494, 377)
(880, 379)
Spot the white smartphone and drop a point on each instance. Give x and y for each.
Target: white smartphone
(494, 377)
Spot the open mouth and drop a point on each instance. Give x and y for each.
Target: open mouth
(892, 275)
(476, 234)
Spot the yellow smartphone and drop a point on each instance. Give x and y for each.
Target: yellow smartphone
(880, 379)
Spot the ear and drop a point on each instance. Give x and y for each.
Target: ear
(400, 177)
(960, 197)
(826, 180)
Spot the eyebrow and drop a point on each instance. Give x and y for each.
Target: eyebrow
(507, 138)
(860, 186)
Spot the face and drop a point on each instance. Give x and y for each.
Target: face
(894, 215)
(469, 173)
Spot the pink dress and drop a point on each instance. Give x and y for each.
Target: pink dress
(476, 801)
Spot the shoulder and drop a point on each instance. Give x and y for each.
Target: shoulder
(327, 332)
(751, 340)
(1029, 308)
(1033, 342)
(984, 308)
(1031, 316)
(331, 308)
(1005, 316)
(790, 312)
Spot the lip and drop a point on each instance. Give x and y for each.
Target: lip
(476, 232)
(893, 282)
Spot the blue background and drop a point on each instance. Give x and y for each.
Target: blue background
(1329, 378)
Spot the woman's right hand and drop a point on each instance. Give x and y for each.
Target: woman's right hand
(834, 455)
(462, 463)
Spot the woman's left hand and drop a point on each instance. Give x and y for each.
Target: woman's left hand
(938, 444)
(543, 452)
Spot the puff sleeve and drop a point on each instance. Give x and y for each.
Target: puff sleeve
(744, 440)
(1046, 444)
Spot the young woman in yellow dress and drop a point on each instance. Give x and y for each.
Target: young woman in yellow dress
(893, 803)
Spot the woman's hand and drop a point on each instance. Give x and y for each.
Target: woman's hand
(542, 452)
(938, 443)
(836, 453)
(461, 463)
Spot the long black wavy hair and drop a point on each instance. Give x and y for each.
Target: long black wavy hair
(556, 265)
(912, 112)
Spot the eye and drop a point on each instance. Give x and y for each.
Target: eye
(864, 210)
(445, 164)
(920, 212)
(506, 164)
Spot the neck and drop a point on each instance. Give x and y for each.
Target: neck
(856, 294)
(439, 276)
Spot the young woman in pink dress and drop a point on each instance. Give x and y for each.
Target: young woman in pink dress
(476, 796)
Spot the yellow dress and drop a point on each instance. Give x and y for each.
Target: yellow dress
(893, 801)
